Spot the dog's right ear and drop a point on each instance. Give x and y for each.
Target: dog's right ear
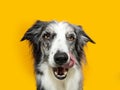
(34, 31)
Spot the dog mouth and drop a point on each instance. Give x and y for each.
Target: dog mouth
(62, 71)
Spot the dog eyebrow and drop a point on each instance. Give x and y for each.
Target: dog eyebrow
(51, 34)
(70, 34)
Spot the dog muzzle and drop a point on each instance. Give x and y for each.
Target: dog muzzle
(61, 72)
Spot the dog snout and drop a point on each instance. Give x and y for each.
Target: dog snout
(60, 58)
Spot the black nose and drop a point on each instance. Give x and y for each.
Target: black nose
(60, 58)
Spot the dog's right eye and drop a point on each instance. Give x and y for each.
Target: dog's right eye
(46, 36)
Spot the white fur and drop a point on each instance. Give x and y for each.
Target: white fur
(50, 82)
(59, 42)
(74, 75)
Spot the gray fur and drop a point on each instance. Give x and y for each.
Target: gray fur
(42, 49)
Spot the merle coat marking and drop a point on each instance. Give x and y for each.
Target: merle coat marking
(58, 51)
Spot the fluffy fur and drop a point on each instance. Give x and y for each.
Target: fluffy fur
(49, 38)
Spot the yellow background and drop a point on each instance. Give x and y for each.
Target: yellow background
(100, 19)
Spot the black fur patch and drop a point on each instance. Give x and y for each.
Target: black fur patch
(39, 87)
(33, 35)
(39, 72)
(80, 42)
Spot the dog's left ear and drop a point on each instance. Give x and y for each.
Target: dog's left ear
(82, 36)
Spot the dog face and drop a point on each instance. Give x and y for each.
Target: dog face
(60, 44)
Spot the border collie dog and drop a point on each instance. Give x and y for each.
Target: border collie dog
(58, 51)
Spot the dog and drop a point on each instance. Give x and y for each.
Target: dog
(58, 51)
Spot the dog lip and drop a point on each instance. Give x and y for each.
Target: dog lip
(60, 72)
(70, 64)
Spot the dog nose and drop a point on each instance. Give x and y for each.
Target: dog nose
(60, 58)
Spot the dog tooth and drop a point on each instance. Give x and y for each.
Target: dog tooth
(55, 73)
(65, 72)
(63, 75)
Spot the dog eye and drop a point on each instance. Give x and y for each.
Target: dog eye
(71, 38)
(46, 36)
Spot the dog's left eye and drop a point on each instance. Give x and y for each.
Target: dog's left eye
(71, 38)
(46, 36)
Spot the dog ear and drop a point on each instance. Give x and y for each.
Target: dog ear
(82, 39)
(34, 31)
(82, 36)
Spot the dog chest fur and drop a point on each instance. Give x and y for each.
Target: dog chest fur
(49, 82)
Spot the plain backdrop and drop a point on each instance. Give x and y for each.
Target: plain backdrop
(100, 20)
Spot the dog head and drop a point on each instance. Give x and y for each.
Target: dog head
(60, 44)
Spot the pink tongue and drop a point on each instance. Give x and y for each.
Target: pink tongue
(71, 63)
